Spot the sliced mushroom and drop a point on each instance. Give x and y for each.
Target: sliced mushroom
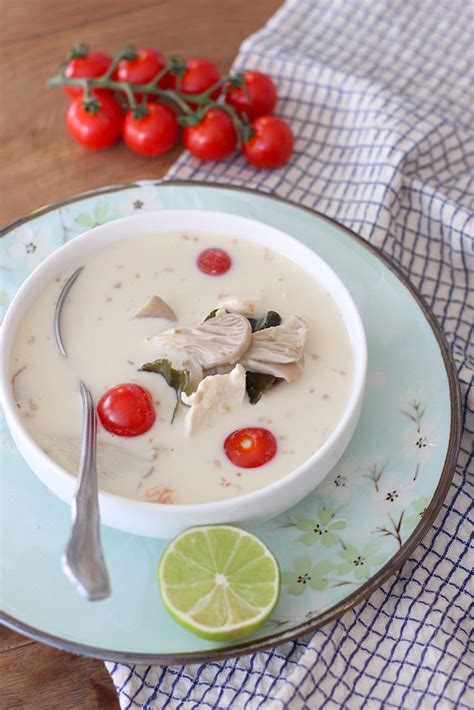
(221, 370)
(195, 373)
(221, 340)
(279, 350)
(289, 371)
(155, 307)
(216, 395)
(243, 306)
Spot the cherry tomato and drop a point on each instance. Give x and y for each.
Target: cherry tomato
(251, 447)
(97, 129)
(199, 76)
(89, 66)
(214, 138)
(147, 64)
(152, 134)
(126, 410)
(272, 142)
(214, 262)
(257, 97)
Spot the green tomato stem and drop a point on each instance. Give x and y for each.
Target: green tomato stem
(115, 62)
(243, 127)
(177, 98)
(87, 90)
(217, 85)
(153, 84)
(130, 97)
(202, 101)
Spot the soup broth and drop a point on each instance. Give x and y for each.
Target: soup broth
(106, 347)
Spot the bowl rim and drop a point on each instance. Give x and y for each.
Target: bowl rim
(79, 243)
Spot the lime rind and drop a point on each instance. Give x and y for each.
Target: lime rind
(220, 582)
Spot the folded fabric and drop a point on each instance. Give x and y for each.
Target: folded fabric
(380, 97)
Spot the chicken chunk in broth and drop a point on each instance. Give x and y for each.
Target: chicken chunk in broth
(209, 383)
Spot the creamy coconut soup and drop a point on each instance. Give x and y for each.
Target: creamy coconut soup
(261, 384)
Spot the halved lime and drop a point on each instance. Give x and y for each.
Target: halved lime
(218, 581)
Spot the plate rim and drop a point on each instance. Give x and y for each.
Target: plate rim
(374, 582)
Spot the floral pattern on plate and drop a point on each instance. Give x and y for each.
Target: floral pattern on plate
(332, 542)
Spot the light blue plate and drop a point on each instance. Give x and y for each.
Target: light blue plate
(335, 547)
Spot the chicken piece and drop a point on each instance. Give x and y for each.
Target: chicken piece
(278, 351)
(155, 307)
(221, 340)
(242, 306)
(216, 395)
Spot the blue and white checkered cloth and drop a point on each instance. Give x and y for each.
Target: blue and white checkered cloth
(380, 96)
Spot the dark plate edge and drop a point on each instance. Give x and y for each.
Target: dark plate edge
(371, 584)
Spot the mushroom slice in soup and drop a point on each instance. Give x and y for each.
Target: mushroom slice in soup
(243, 306)
(289, 371)
(155, 307)
(195, 373)
(216, 395)
(221, 340)
(274, 350)
(221, 370)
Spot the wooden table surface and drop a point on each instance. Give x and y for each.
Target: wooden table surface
(41, 164)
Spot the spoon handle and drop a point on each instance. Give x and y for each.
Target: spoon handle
(59, 309)
(83, 561)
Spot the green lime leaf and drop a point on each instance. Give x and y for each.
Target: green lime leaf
(256, 384)
(177, 379)
(270, 320)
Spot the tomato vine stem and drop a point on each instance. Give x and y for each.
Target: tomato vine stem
(192, 106)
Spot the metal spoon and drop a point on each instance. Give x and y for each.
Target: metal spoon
(83, 560)
(59, 309)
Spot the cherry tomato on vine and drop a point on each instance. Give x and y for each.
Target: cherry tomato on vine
(88, 66)
(214, 262)
(146, 65)
(250, 447)
(151, 134)
(257, 97)
(213, 138)
(97, 126)
(199, 76)
(272, 142)
(126, 410)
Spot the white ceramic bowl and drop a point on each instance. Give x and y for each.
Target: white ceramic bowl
(158, 520)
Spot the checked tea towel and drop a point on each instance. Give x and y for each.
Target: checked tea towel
(380, 96)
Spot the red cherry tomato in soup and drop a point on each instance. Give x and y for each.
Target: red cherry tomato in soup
(146, 65)
(126, 410)
(98, 127)
(251, 447)
(257, 97)
(214, 138)
(199, 76)
(152, 134)
(272, 142)
(89, 66)
(214, 262)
